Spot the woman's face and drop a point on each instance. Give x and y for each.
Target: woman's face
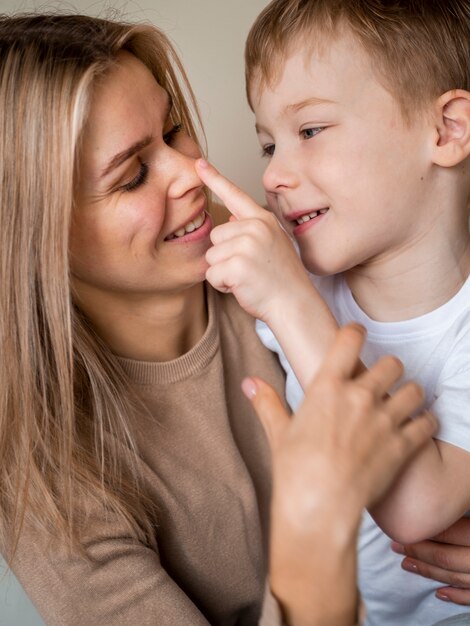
(139, 225)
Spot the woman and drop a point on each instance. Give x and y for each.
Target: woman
(135, 479)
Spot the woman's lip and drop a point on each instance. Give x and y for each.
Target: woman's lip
(199, 234)
(202, 207)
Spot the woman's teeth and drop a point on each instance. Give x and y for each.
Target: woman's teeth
(194, 224)
(310, 216)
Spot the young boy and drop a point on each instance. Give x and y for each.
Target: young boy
(363, 110)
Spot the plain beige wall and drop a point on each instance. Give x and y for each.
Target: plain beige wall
(209, 36)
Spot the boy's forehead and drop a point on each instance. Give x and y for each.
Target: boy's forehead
(332, 70)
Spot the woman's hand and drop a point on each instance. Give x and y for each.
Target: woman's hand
(445, 558)
(337, 455)
(252, 256)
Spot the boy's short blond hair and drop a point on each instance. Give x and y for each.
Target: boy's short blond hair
(420, 48)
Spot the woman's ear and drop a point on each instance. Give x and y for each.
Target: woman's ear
(452, 112)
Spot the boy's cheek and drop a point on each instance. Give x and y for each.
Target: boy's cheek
(272, 200)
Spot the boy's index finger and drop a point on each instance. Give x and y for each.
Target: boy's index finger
(237, 201)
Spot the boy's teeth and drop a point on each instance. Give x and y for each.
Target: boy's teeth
(194, 224)
(306, 218)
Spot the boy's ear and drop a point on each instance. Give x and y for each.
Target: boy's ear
(453, 128)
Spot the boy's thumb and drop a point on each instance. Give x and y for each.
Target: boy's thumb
(269, 409)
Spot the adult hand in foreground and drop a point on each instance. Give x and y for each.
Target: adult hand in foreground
(337, 455)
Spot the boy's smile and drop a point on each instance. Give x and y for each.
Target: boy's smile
(350, 180)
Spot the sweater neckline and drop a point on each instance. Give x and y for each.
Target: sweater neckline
(186, 365)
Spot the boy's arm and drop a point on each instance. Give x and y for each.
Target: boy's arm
(433, 491)
(254, 259)
(430, 495)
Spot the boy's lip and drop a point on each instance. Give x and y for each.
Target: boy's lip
(312, 218)
(293, 216)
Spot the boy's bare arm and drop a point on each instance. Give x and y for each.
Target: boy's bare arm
(431, 493)
(254, 259)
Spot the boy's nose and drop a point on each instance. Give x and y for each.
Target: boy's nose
(278, 176)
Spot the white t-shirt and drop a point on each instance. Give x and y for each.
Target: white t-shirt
(435, 349)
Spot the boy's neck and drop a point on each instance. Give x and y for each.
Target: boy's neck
(415, 280)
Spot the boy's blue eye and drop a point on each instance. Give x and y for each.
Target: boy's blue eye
(170, 135)
(139, 180)
(308, 133)
(268, 150)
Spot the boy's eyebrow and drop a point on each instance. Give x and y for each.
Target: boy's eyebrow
(121, 157)
(297, 106)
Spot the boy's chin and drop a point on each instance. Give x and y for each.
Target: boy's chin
(319, 267)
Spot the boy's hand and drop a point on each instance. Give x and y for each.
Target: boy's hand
(252, 256)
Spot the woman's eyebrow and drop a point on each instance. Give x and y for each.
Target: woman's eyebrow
(119, 158)
(126, 154)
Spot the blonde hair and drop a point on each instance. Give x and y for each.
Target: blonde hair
(420, 49)
(65, 436)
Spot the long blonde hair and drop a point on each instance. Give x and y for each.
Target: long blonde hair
(65, 436)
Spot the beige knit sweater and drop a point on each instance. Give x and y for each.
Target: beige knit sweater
(205, 461)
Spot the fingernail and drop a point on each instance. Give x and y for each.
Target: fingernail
(397, 547)
(359, 327)
(203, 164)
(409, 566)
(249, 388)
(442, 596)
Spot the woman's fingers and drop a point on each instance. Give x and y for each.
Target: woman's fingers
(382, 376)
(417, 431)
(444, 563)
(269, 409)
(343, 357)
(236, 201)
(404, 402)
(439, 556)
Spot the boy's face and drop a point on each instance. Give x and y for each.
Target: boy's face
(340, 153)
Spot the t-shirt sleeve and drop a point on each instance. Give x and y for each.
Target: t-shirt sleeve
(122, 583)
(452, 407)
(294, 391)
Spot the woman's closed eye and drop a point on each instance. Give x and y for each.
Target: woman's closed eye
(143, 172)
(138, 180)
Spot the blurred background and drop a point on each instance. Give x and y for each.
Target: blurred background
(209, 36)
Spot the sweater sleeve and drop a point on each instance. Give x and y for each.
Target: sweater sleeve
(122, 582)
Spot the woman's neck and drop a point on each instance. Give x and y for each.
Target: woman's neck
(147, 327)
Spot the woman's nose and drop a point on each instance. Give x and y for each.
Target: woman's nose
(182, 173)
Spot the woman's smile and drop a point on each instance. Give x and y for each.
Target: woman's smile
(119, 243)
